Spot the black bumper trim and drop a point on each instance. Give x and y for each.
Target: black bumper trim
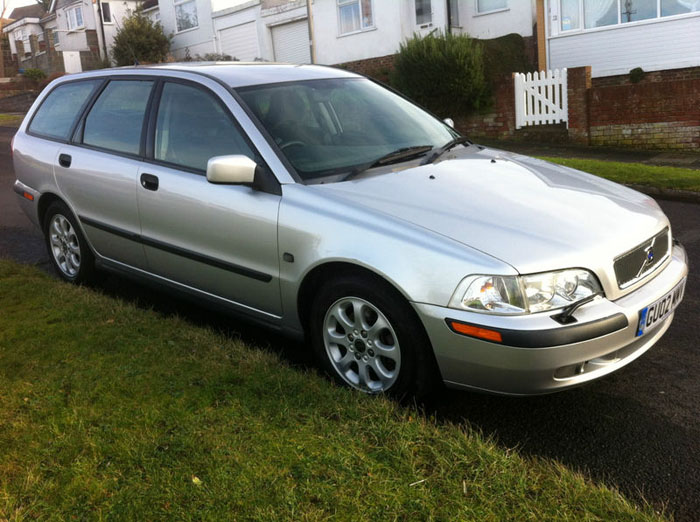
(555, 336)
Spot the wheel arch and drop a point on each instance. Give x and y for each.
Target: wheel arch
(324, 272)
(44, 203)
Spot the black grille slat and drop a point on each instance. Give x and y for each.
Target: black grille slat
(628, 265)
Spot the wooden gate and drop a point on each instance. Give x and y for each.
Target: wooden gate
(540, 98)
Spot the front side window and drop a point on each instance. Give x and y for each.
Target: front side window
(570, 15)
(355, 15)
(115, 121)
(55, 34)
(484, 6)
(75, 18)
(424, 13)
(60, 109)
(192, 127)
(186, 15)
(329, 127)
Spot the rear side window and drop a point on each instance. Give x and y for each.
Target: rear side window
(193, 126)
(116, 120)
(60, 109)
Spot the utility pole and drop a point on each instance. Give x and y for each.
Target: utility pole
(310, 21)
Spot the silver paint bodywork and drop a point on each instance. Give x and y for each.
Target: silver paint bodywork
(422, 228)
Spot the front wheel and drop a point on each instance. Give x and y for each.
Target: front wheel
(367, 336)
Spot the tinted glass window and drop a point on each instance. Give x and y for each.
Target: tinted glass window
(115, 121)
(60, 109)
(193, 126)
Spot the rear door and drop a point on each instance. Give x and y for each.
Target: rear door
(99, 172)
(219, 239)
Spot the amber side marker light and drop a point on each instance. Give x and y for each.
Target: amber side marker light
(28, 196)
(475, 331)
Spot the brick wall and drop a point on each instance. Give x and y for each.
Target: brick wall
(378, 68)
(655, 114)
(498, 121)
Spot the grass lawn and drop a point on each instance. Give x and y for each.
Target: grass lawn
(11, 120)
(108, 410)
(636, 173)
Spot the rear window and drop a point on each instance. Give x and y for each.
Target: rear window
(115, 121)
(60, 109)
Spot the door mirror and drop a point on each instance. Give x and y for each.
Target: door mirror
(450, 122)
(233, 170)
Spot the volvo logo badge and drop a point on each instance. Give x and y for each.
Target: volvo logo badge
(648, 259)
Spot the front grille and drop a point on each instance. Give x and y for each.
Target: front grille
(632, 266)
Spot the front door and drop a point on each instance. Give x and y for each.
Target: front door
(219, 239)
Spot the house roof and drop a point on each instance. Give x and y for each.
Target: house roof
(27, 11)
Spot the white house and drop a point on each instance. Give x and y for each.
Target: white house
(343, 30)
(75, 35)
(614, 36)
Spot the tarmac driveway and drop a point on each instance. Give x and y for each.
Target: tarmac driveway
(638, 429)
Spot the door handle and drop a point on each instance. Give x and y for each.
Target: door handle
(64, 160)
(149, 181)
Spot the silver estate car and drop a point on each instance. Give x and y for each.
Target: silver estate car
(326, 206)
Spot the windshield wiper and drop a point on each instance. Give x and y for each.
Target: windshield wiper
(402, 154)
(447, 146)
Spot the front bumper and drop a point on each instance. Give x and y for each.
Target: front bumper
(603, 340)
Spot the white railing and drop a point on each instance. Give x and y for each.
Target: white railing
(540, 98)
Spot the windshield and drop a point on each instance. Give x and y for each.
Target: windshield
(328, 127)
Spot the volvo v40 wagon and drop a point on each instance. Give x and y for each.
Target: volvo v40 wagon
(328, 207)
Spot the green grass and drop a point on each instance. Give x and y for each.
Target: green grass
(11, 120)
(111, 411)
(636, 173)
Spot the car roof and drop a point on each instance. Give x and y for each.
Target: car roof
(242, 74)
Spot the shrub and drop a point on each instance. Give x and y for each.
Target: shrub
(34, 75)
(140, 40)
(637, 75)
(442, 72)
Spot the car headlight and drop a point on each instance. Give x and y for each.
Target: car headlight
(524, 294)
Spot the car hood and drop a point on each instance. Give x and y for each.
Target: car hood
(529, 213)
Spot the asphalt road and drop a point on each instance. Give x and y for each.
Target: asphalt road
(637, 429)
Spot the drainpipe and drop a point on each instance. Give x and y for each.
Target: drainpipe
(102, 29)
(310, 21)
(449, 16)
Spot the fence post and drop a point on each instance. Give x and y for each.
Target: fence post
(519, 89)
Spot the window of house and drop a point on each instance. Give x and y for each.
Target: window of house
(59, 110)
(116, 119)
(106, 13)
(424, 14)
(599, 13)
(55, 34)
(635, 10)
(676, 7)
(355, 15)
(192, 127)
(186, 15)
(454, 13)
(570, 13)
(75, 18)
(484, 6)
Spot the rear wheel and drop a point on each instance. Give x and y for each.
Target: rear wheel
(368, 337)
(67, 247)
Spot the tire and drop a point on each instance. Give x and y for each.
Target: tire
(68, 250)
(387, 351)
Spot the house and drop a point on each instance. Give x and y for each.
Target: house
(75, 35)
(615, 36)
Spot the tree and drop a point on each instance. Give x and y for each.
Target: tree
(46, 4)
(140, 40)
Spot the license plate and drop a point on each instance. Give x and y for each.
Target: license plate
(656, 312)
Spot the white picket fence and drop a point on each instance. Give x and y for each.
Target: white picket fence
(540, 98)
